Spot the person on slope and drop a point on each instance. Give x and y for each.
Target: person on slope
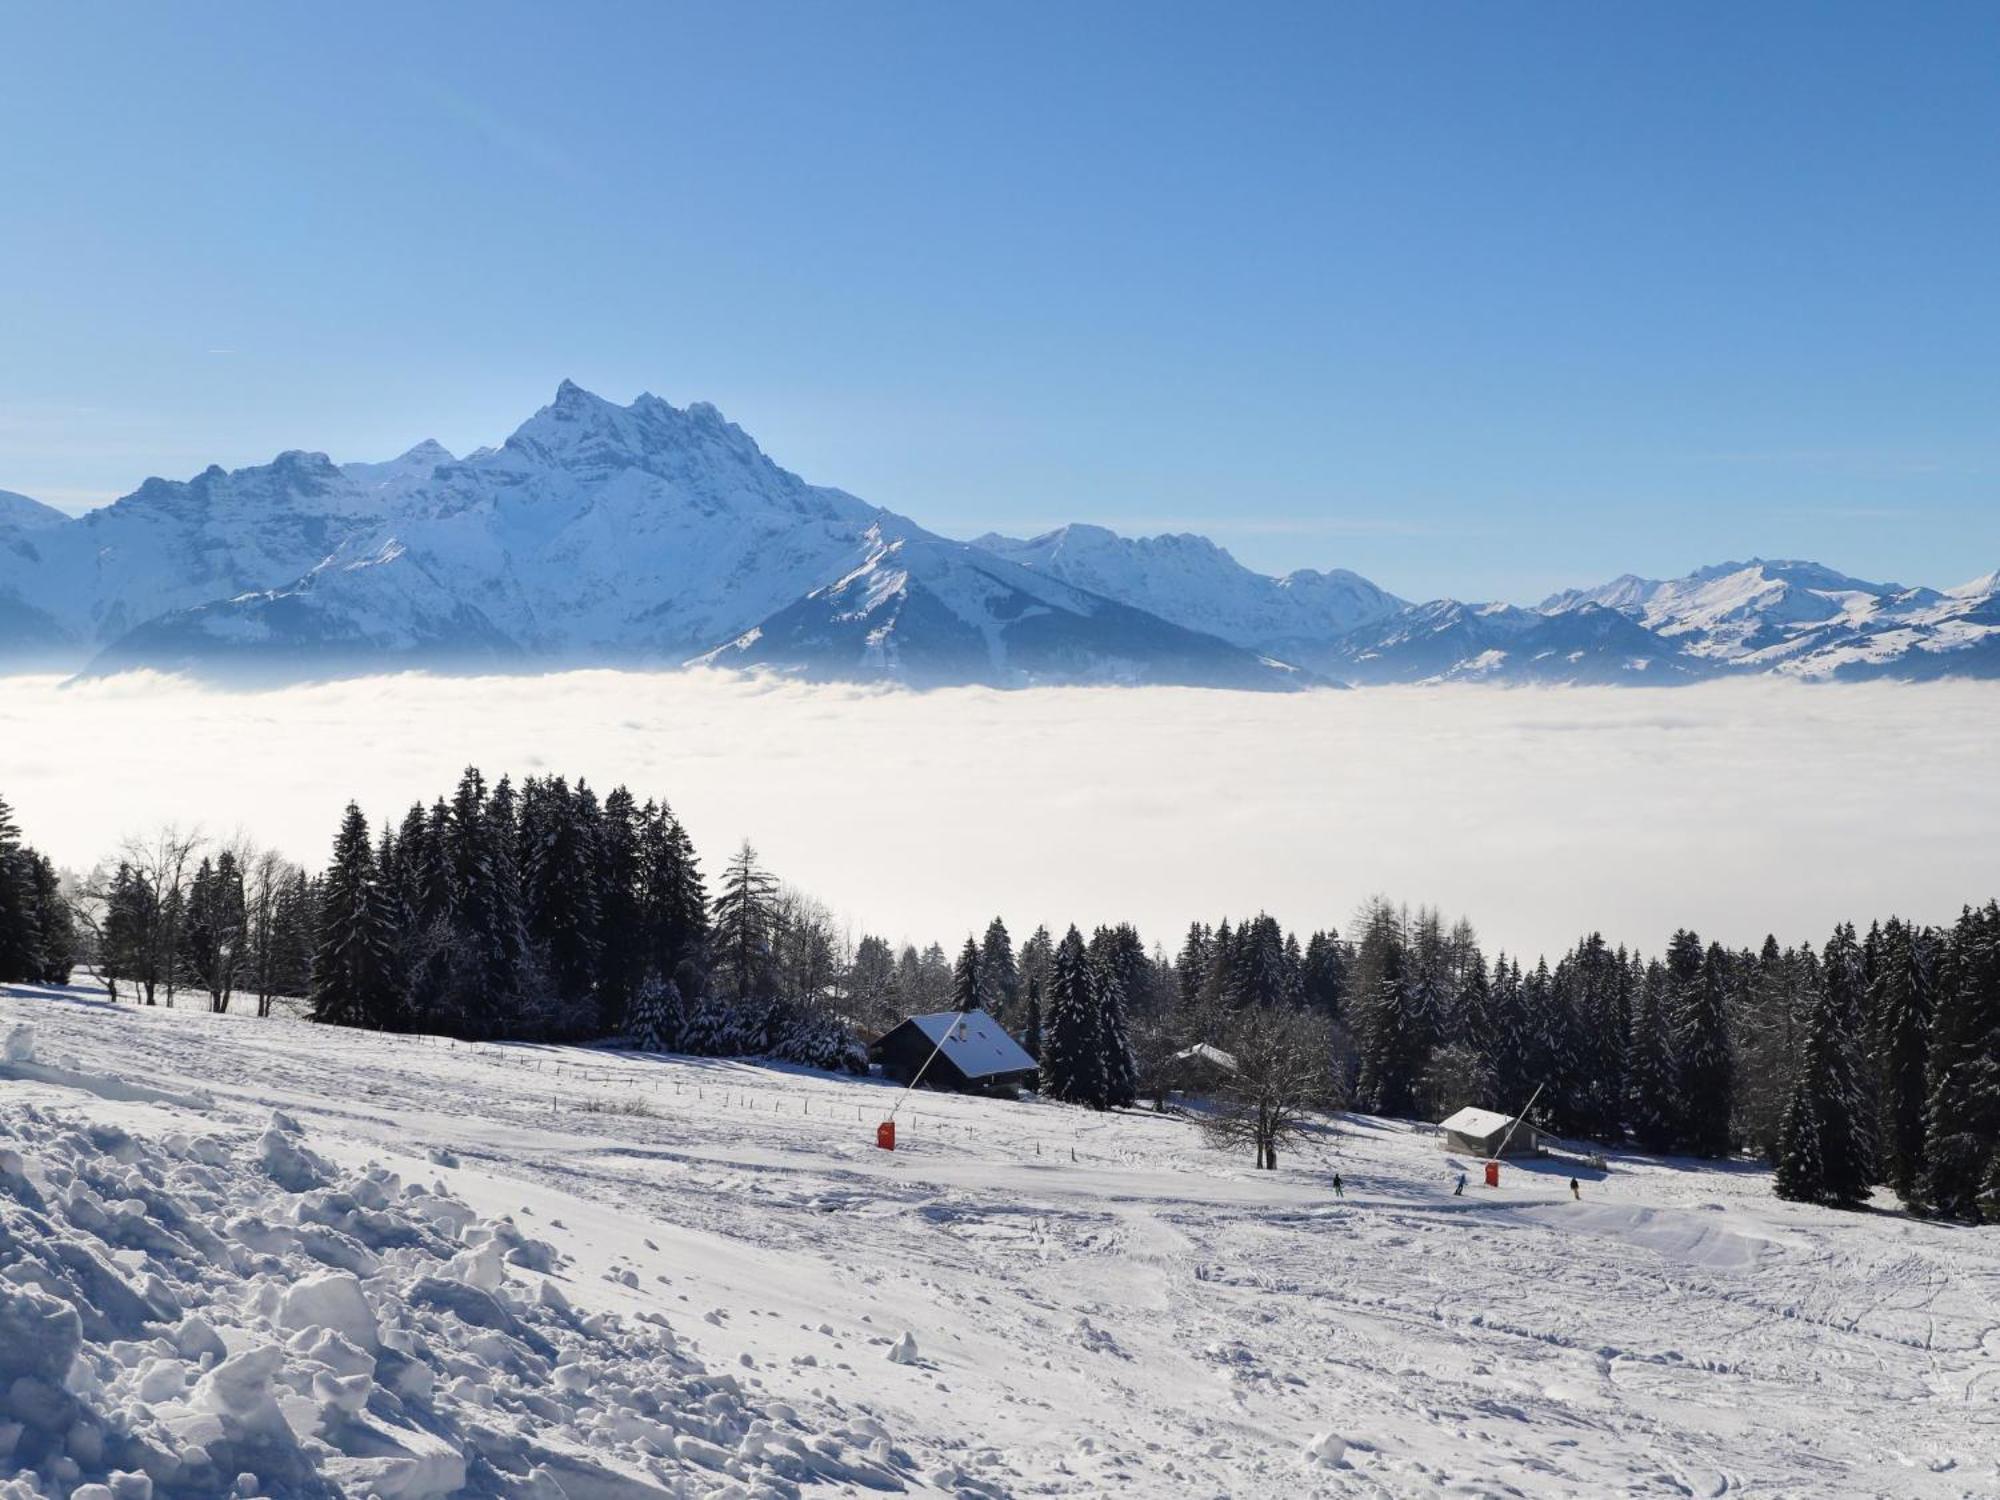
(1459, 1191)
(1338, 1190)
(1575, 1192)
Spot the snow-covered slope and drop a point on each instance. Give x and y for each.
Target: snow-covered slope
(1445, 641)
(19, 513)
(1194, 583)
(569, 1272)
(930, 612)
(1805, 619)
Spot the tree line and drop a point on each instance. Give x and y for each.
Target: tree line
(539, 911)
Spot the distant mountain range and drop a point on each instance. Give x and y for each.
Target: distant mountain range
(654, 535)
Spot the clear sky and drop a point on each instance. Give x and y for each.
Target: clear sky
(1476, 299)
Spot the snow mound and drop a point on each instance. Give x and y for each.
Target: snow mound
(1326, 1451)
(231, 1315)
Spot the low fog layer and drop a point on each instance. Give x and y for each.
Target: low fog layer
(1541, 814)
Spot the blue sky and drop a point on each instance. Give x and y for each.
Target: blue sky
(1475, 299)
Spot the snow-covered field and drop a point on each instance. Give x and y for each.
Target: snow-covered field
(544, 1271)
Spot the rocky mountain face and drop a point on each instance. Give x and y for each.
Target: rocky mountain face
(648, 534)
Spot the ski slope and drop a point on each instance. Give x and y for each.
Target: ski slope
(740, 1295)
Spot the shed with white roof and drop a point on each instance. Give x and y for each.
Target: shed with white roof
(1487, 1133)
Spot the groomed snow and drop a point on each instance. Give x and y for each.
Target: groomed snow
(701, 1278)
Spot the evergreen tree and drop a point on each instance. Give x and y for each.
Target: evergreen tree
(1390, 1042)
(968, 985)
(1031, 1038)
(294, 928)
(128, 921)
(1505, 1041)
(1962, 1117)
(1256, 975)
(1191, 968)
(1118, 1068)
(623, 948)
(213, 927)
(1653, 1069)
(348, 968)
(1706, 1069)
(741, 938)
(1823, 1139)
(1903, 995)
(1800, 1170)
(559, 838)
(1324, 975)
(53, 920)
(1001, 973)
(653, 1007)
(21, 955)
(1072, 1061)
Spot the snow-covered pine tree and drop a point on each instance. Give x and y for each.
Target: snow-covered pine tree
(1903, 995)
(1847, 1132)
(294, 924)
(20, 935)
(997, 966)
(675, 897)
(1323, 978)
(1653, 1076)
(1191, 967)
(1502, 1042)
(1706, 1068)
(1962, 1117)
(1031, 1036)
(53, 920)
(652, 1010)
(968, 989)
(1114, 1041)
(559, 836)
(1072, 1062)
(1800, 1174)
(622, 952)
(1256, 975)
(1823, 1137)
(347, 969)
(524, 993)
(1387, 1039)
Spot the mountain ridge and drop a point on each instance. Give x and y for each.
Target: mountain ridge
(649, 534)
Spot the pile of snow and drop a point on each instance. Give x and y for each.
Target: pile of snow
(229, 1313)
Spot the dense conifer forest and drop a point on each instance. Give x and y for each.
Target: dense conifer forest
(539, 911)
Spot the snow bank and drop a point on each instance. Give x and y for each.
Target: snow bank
(231, 1315)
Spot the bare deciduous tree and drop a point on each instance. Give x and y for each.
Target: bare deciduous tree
(1284, 1074)
(161, 861)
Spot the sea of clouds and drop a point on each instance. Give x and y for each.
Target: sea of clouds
(1735, 808)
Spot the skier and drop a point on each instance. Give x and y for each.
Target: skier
(1575, 1192)
(1338, 1190)
(1459, 1191)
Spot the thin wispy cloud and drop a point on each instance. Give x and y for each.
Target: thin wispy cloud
(1734, 808)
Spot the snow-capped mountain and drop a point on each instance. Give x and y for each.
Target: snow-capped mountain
(1194, 583)
(19, 514)
(1806, 620)
(1446, 641)
(928, 611)
(596, 534)
(649, 534)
